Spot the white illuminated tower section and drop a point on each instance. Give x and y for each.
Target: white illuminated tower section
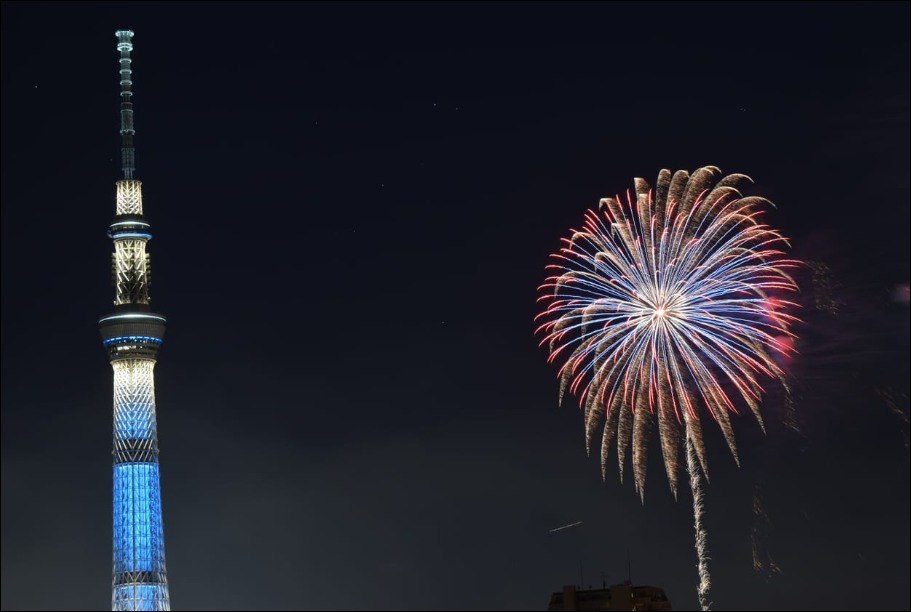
(132, 335)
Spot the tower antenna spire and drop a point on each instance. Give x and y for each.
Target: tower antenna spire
(128, 153)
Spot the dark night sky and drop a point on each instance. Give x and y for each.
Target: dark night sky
(352, 206)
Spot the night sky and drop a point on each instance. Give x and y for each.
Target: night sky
(352, 206)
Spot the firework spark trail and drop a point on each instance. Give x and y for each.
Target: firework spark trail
(897, 403)
(705, 579)
(565, 527)
(666, 303)
(763, 563)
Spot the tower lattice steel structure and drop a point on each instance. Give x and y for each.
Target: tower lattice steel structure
(132, 336)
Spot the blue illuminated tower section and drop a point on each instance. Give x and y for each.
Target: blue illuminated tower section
(132, 335)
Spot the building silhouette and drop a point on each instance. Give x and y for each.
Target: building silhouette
(624, 596)
(132, 335)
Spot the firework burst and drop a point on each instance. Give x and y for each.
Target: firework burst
(665, 306)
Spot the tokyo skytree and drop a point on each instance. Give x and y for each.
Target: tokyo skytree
(132, 335)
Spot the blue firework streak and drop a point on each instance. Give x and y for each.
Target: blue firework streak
(664, 305)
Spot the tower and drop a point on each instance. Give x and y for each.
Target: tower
(132, 335)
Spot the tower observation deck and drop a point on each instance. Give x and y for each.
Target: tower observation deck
(132, 335)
